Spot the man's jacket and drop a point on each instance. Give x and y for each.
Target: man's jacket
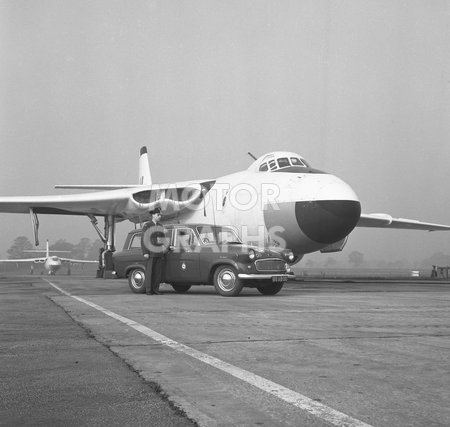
(153, 239)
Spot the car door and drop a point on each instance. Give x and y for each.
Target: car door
(182, 262)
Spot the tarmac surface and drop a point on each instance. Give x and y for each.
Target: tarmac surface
(82, 351)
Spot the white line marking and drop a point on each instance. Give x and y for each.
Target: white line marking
(299, 400)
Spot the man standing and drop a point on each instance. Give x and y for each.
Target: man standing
(154, 248)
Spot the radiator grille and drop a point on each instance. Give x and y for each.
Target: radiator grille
(270, 265)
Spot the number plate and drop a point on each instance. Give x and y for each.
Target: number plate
(279, 278)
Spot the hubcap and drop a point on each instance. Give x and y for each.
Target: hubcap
(226, 280)
(137, 279)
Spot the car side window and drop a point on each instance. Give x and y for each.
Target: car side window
(225, 236)
(135, 241)
(184, 238)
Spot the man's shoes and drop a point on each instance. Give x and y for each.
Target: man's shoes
(153, 292)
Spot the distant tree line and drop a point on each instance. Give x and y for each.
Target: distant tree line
(356, 259)
(84, 249)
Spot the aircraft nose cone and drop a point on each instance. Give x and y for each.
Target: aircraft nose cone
(327, 221)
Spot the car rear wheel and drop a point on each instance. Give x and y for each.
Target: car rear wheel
(181, 288)
(270, 288)
(226, 281)
(136, 279)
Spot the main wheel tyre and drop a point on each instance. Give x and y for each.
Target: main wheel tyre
(270, 288)
(227, 282)
(181, 289)
(136, 279)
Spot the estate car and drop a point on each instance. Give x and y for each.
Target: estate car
(207, 255)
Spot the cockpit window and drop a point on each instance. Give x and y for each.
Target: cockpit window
(283, 162)
(296, 161)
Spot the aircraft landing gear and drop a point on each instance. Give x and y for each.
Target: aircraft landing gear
(106, 265)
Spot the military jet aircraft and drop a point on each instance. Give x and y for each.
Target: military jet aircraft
(280, 200)
(51, 263)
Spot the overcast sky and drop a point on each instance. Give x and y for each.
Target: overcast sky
(360, 88)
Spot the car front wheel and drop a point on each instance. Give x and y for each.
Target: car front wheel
(136, 279)
(226, 281)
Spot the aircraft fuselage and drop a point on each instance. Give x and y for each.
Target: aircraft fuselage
(304, 212)
(52, 265)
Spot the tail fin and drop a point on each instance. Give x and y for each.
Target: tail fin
(145, 177)
(47, 253)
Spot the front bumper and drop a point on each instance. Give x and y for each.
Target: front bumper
(273, 277)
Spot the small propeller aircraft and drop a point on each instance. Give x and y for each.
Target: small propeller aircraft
(280, 200)
(52, 263)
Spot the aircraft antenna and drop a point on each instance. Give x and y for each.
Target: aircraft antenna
(251, 155)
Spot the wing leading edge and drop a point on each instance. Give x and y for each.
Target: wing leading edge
(124, 203)
(103, 203)
(379, 220)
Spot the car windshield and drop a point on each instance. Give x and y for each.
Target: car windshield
(217, 235)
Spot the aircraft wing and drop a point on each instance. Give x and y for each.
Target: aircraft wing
(100, 203)
(124, 203)
(379, 220)
(24, 260)
(77, 261)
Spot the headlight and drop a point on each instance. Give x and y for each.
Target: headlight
(289, 255)
(251, 254)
